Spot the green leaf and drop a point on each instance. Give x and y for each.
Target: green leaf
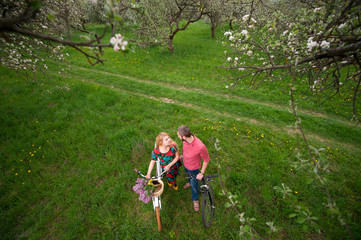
(228, 205)
(51, 17)
(300, 220)
(305, 228)
(246, 228)
(292, 215)
(118, 18)
(36, 4)
(309, 181)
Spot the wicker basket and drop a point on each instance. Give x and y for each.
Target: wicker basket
(160, 187)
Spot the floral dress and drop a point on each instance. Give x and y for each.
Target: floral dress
(165, 159)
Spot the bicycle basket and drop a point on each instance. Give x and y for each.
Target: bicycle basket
(160, 187)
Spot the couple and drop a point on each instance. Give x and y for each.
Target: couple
(193, 153)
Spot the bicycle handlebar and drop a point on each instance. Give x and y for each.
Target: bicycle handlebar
(155, 177)
(211, 176)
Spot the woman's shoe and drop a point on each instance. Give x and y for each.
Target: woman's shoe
(169, 184)
(175, 186)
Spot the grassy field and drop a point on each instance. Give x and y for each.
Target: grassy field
(70, 144)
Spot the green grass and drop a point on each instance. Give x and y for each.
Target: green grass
(90, 128)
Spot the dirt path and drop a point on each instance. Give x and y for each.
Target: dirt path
(242, 99)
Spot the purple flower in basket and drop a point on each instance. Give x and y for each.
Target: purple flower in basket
(144, 190)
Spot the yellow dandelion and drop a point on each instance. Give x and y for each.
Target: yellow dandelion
(32, 155)
(34, 151)
(21, 160)
(36, 121)
(29, 171)
(16, 174)
(296, 192)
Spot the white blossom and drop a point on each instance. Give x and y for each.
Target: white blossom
(342, 25)
(245, 18)
(325, 44)
(229, 59)
(118, 42)
(311, 43)
(244, 32)
(231, 38)
(228, 34)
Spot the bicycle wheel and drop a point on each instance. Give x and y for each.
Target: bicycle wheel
(208, 207)
(158, 219)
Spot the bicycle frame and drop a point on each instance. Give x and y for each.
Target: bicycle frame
(157, 200)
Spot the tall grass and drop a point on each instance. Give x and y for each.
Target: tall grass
(69, 145)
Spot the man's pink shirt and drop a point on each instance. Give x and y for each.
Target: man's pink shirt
(193, 153)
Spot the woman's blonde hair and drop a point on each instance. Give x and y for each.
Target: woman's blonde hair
(161, 136)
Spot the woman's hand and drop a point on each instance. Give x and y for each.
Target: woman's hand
(147, 176)
(166, 168)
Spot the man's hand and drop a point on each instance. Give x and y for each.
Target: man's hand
(199, 176)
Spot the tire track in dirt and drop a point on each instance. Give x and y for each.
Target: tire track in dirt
(288, 130)
(242, 99)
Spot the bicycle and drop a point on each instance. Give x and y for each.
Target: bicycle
(208, 203)
(157, 204)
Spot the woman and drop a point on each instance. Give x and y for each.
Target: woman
(167, 152)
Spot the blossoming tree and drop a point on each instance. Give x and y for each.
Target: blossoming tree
(308, 42)
(162, 20)
(32, 29)
(315, 40)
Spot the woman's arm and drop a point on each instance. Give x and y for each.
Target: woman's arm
(150, 168)
(166, 168)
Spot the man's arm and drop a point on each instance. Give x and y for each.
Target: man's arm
(203, 170)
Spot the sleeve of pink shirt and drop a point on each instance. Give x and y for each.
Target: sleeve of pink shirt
(204, 154)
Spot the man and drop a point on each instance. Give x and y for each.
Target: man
(193, 153)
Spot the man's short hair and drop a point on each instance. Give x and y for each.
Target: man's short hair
(184, 131)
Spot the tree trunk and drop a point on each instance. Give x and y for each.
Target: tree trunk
(230, 24)
(213, 30)
(170, 44)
